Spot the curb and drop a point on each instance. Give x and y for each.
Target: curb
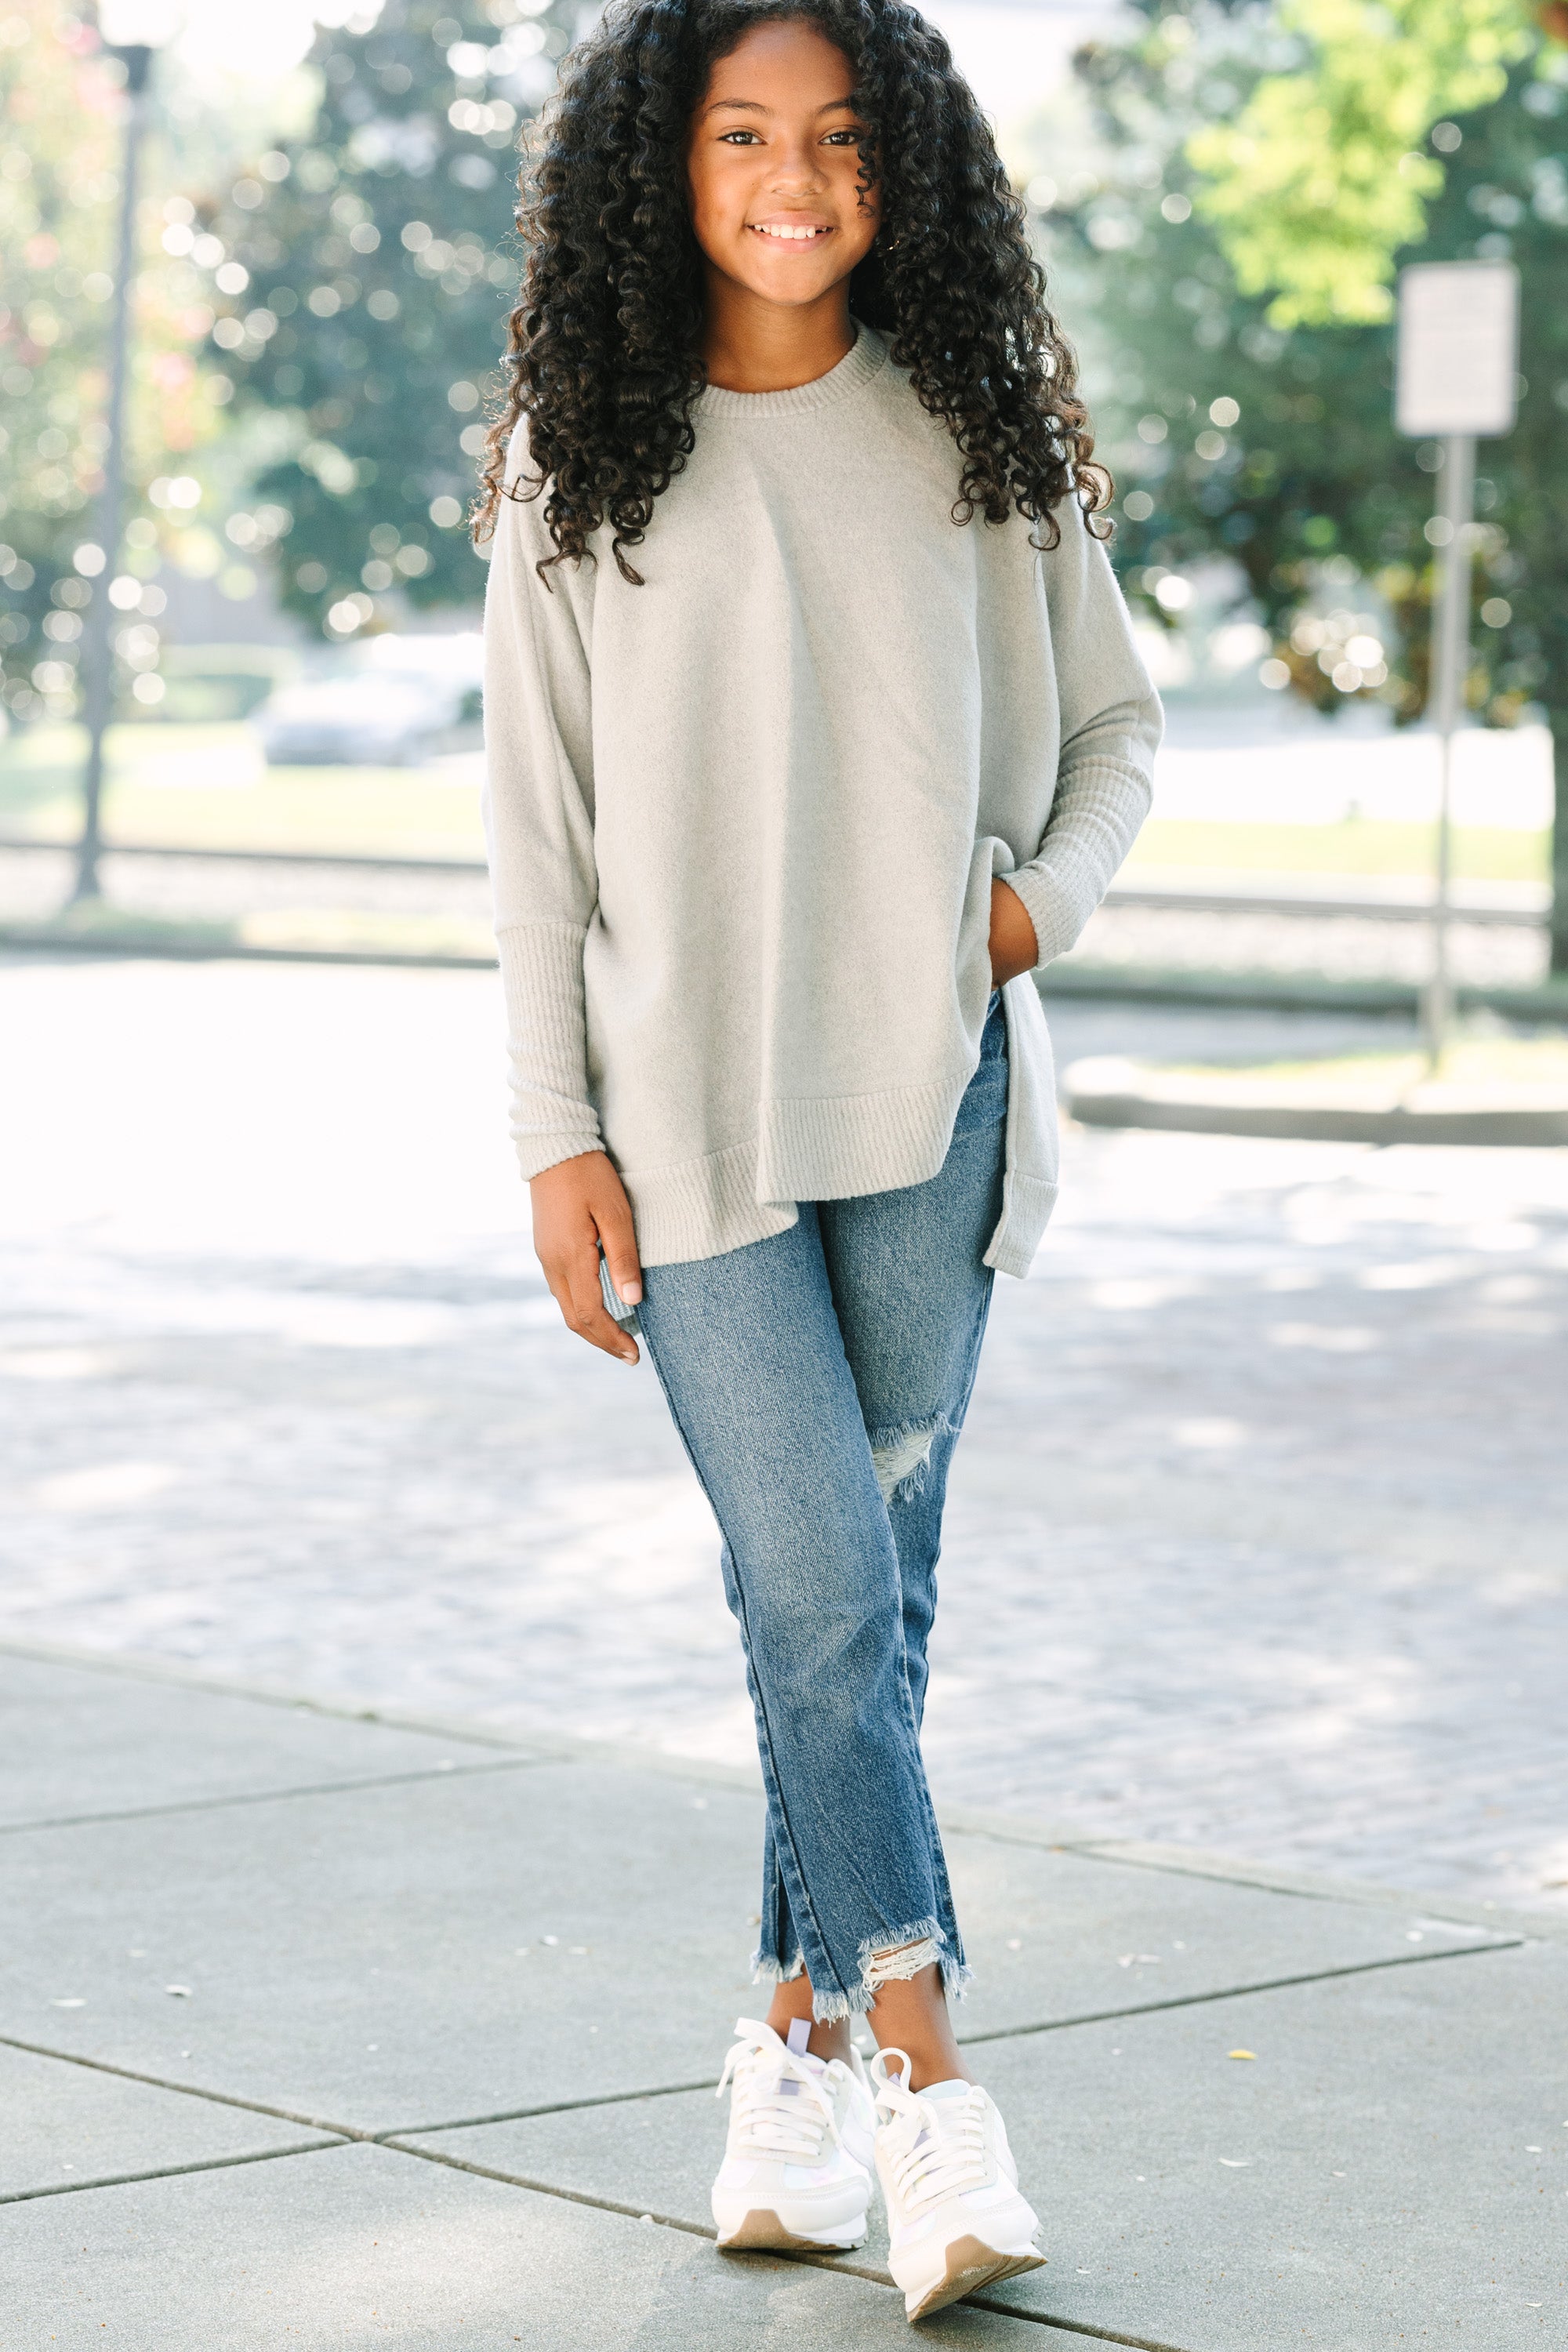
(1103, 1093)
(1112, 983)
(185, 948)
(1286, 991)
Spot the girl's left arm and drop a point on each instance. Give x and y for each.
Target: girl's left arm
(1111, 724)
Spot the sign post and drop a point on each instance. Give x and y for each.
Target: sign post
(1455, 379)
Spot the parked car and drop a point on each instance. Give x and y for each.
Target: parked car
(456, 656)
(383, 718)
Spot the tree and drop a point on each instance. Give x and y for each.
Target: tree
(379, 266)
(1324, 174)
(1276, 447)
(60, 188)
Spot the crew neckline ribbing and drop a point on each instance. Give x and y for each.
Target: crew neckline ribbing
(865, 358)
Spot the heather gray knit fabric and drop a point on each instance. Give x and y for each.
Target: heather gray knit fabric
(744, 820)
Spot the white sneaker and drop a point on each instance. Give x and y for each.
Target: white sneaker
(797, 2164)
(955, 2219)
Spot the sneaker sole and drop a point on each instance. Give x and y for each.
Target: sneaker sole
(971, 2265)
(762, 2229)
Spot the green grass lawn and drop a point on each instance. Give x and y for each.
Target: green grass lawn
(1508, 1064)
(1361, 846)
(206, 787)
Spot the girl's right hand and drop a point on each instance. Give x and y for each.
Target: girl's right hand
(579, 1205)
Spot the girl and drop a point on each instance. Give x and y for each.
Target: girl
(815, 728)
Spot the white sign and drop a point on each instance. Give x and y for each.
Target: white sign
(1458, 347)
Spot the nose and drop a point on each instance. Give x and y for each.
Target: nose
(798, 168)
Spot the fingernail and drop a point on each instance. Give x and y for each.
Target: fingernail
(630, 1294)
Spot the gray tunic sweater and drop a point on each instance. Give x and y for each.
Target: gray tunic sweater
(744, 820)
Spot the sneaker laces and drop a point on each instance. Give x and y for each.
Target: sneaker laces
(936, 2147)
(782, 2105)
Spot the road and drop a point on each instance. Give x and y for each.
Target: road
(1257, 1538)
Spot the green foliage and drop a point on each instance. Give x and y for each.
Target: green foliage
(61, 105)
(381, 269)
(1322, 176)
(1232, 437)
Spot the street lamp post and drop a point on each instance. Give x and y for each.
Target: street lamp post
(133, 30)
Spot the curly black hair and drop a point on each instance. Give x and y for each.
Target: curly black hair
(605, 350)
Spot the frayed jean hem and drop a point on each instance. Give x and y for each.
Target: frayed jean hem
(765, 1970)
(893, 1959)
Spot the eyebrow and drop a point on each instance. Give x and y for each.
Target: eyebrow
(751, 106)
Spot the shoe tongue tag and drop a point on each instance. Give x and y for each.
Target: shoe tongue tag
(799, 2035)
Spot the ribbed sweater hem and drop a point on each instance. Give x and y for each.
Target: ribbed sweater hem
(702, 1208)
(833, 1148)
(816, 1148)
(836, 1147)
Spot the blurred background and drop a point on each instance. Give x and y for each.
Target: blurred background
(1276, 1562)
(321, 263)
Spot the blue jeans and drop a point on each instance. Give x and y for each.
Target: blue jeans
(819, 1381)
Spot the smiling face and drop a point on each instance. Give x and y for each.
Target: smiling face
(773, 168)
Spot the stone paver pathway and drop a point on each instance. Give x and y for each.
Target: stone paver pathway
(1257, 1542)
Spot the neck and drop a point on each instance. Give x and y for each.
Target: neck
(750, 345)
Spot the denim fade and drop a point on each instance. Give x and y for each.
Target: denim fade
(819, 1379)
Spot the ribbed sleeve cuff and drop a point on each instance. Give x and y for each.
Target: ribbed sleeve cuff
(1098, 808)
(1059, 906)
(552, 1116)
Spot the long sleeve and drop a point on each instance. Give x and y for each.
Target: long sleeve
(1112, 725)
(742, 818)
(538, 823)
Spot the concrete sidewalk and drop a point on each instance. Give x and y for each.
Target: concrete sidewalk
(331, 2031)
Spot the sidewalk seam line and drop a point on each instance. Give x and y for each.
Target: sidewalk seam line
(350, 2132)
(548, 2188)
(135, 1667)
(1373, 1896)
(1243, 1992)
(1074, 2327)
(972, 2040)
(823, 2261)
(537, 1747)
(568, 1748)
(554, 2108)
(1303, 1886)
(168, 2171)
(271, 1796)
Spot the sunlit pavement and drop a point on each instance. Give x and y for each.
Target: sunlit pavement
(1257, 1540)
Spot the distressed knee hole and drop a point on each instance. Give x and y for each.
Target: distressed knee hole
(900, 1456)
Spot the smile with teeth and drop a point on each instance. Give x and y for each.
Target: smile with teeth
(782, 229)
